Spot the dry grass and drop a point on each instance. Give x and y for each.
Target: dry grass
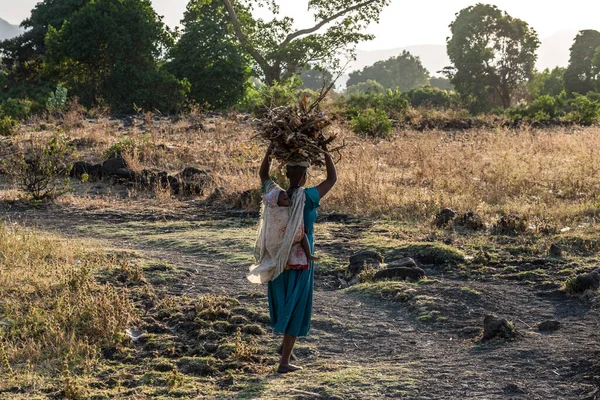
(54, 315)
(546, 176)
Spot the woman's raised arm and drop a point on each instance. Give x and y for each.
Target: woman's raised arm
(265, 166)
(324, 187)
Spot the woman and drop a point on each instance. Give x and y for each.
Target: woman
(290, 294)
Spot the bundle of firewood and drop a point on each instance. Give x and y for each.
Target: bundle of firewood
(296, 133)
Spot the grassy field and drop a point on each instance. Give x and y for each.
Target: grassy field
(114, 291)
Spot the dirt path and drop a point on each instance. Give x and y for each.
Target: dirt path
(408, 358)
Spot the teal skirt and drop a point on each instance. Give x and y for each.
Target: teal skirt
(290, 300)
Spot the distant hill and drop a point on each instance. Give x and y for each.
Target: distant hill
(553, 51)
(8, 31)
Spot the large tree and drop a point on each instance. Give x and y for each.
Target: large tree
(109, 49)
(404, 72)
(280, 51)
(315, 78)
(493, 55)
(208, 55)
(583, 72)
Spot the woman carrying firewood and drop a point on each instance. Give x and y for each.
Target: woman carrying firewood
(290, 291)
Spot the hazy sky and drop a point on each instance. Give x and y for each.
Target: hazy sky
(404, 22)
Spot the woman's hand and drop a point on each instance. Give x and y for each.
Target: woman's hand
(266, 164)
(324, 187)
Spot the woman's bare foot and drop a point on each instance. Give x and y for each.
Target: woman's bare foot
(284, 369)
(312, 258)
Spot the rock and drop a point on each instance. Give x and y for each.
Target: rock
(510, 224)
(555, 251)
(470, 220)
(583, 282)
(174, 184)
(360, 260)
(125, 173)
(400, 273)
(403, 263)
(110, 166)
(444, 217)
(194, 180)
(549, 326)
(94, 171)
(496, 327)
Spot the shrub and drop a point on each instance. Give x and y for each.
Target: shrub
(429, 96)
(279, 94)
(391, 101)
(41, 170)
(57, 102)
(544, 107)
(372, 122)
(18, 109)
(583, 110)
(8, 126)
(368, 87)
(124, 147)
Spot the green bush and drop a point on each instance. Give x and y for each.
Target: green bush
(40, 171)
(545, 106)
(372, 122)
(8, 126)
(391, 101)
(368, 87)
(125, 147)
(583, 110)
(277, 95)
(57, 102)
(18, 109)
(429, 96)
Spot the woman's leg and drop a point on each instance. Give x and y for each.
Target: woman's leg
(286, 352)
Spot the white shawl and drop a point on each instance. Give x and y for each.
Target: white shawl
(272, 251)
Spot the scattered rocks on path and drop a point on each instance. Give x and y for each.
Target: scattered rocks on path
(125, 174)
(414, 273)
(94, 171)
(496, 327)
(549, 326)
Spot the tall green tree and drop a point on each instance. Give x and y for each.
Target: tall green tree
(208, 55)
(404, 72)
(281, 52)
(583, 72)
(493, 55)
(109, 49)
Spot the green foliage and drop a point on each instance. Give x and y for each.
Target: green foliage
(109, 49)
(547, 82)
(8, 126)
(367, 87)
(276, 95)
(17, 109)
(581, 75)
(583, 110)
(41, 170)
(124, 147)
(403, 72)
(209, 57)
(280, 52)
(493, 55)
(544, 107)
(57, 102)
(429, 96)
(372, 122)
(441, 83)
(392, 102)
(315, 78)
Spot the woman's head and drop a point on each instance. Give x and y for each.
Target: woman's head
(297, 175)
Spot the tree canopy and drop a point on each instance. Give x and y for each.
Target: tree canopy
(583, 72)
(314, 78)
(404, 72)
(492, 54)
(280, 51)
(208, 55)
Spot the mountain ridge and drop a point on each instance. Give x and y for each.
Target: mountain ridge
(9, 31)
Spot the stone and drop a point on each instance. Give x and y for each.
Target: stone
(444, 217)
(555, 251)
(400, 273)
(359, 261)
(403, 263)
(470, 220)
(194, 180)
(583, 282)
(496, 327)
(125, 173)
(94, 171)
(549, 326)
(110, 166)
